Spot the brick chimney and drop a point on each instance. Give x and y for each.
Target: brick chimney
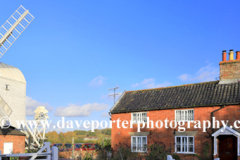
(230, 69)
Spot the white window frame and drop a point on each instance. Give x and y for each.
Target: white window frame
(184, 115)
(140, 113)
(182, 144)
(137, 143)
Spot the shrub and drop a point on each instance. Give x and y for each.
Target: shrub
(107, 144)
(176, 157)
(88, 156)
(157, 151)
(206, 149)
(124, 153)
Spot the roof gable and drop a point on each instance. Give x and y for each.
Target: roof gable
(226, 131)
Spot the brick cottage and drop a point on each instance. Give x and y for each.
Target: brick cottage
(188, 103)
(12, 141)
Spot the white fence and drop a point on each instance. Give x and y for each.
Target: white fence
(49, 154)
(169, 157)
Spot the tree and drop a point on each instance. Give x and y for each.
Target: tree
(80, 132)
(52, 136)
(98, 131)
(61, 137)
(108, 132)
(91, 134)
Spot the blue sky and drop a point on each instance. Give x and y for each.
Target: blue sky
(74, 51)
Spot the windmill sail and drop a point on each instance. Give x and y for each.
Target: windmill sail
(5, 110)
(13, 28)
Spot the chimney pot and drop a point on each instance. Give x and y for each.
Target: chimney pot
(224, 55)
(231, 54)
(238, 55)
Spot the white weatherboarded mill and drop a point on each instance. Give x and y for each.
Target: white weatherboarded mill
(13, 93)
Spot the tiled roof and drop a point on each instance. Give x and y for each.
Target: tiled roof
(191, 95)
(11, 131)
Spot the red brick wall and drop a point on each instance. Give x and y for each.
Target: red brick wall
(18, 143)
(230, 69)
(166, 136)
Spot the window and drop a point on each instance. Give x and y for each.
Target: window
(139, 143)
(142, 116)
(7, 87)
(184, 144)
(184, 115)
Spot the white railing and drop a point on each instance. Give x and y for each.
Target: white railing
(49, 154)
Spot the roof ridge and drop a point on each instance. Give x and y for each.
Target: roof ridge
(183, 85)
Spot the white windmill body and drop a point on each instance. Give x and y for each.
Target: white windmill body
(13, 94)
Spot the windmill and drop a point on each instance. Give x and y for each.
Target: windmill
(9, 32)
(36, 128)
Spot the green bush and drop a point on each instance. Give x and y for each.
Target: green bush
(176, 157)
(88, 156)
(157, 151)
(107, 144)
(122, 153)
(206, 149)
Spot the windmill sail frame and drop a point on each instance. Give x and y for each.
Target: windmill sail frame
(13, 28)
(5, 110)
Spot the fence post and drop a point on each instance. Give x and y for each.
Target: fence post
(73, 155)
(48, 144)
(54, 153)
(169, 157)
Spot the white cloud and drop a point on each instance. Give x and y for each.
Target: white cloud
(184, 77)
(206, 73)
(73, 110)
(98, 81)
(32, 104)
(151, 83)
(144, 82)
(105, 114)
